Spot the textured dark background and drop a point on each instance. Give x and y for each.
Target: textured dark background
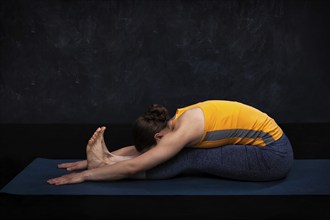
(105, 61)
(68, 66)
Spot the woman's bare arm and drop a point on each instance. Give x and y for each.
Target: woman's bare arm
(123, 153)
(126, 151)
(168, 146)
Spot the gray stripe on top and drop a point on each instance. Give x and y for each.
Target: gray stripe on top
(238, 133)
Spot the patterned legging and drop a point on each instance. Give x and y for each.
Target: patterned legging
(239, 162)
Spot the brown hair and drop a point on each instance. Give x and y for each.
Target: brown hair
(147, 125)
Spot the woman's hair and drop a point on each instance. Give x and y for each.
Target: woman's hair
(147, 125)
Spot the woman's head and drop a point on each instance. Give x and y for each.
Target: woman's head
(153, 121)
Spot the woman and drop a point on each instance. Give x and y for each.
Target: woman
(218, 137)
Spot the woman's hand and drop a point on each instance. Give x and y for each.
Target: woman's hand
(79, 165)
(67, 179)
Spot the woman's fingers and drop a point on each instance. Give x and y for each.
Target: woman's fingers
(67, 179)
(73, 165)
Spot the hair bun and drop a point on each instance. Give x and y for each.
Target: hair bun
(157, 113)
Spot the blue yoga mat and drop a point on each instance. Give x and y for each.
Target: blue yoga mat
(307, 177)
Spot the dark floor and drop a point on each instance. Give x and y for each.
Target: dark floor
(21, 143)
(165, 207)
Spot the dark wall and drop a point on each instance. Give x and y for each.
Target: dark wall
(105, 61)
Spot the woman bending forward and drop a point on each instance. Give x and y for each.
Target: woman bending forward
(223, 138)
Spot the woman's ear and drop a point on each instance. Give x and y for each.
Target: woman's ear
(158, 136)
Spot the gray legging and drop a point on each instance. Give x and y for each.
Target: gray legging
(239, 162)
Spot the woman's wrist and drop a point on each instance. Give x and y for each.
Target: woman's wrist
(87, 174)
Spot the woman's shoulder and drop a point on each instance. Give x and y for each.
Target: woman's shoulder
(192, 117)
(191, 125)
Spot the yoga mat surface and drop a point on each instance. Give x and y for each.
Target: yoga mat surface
(307, 177)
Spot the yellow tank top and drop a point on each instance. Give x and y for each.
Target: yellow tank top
(230, 122)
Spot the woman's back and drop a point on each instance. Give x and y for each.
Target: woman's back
(230, 122)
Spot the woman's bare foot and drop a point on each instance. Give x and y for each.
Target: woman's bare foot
(104, 146)
(98, 153)
(96, 156)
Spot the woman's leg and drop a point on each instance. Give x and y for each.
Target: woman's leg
(240, 162)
